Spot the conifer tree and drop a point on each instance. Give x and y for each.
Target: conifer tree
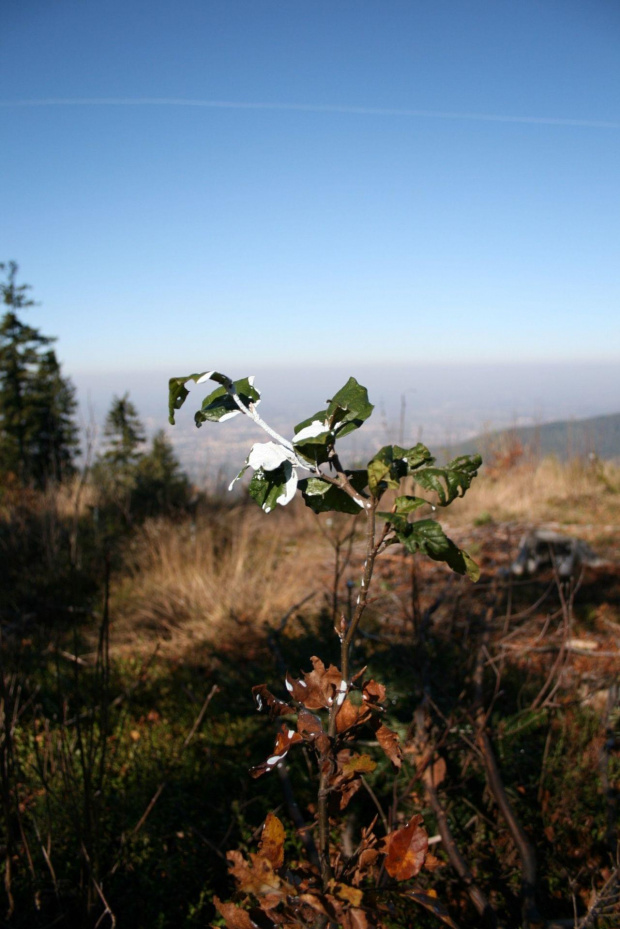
(38, 439)
(115, 471)
(124, 432)
(55, 439)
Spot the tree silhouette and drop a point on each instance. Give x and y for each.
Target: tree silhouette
(38, 438)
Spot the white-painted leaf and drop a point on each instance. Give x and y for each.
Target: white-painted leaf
(268, 456)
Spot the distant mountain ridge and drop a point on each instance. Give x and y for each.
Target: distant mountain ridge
(566, 439)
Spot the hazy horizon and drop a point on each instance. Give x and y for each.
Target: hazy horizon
(439, 404)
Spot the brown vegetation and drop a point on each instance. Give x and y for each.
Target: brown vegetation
(503, 696)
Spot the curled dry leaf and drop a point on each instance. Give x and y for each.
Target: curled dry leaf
(270, 901)
(264, 698)
(366, 861)
(347, 792)
(367, 855)
(272, 841)
(373, 693)
(235, 917)
(309, 725)
(311, 729)
(318, 688)
(388, 740)
(256, 876)
(285, 739)
(406, 850)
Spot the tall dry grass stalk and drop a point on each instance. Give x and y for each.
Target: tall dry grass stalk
(189, 583)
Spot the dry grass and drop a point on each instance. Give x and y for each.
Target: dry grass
(65, 501)
(219, 577)
(577, 493)
(233, 571)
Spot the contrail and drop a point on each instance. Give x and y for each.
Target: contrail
(311, 108)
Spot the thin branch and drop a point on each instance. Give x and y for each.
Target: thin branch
(378, 806)
(457, 861)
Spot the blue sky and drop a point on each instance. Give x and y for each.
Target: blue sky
(206, 184)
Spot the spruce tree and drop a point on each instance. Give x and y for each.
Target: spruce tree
(38, 439)
(124, 432)
(115, 472)
(55, 439)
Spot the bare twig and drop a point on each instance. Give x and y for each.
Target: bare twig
(477, 897)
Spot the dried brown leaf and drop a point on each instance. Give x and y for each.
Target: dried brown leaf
(347, 791)
(373, 693)
(309, 725)
(350, 715)
(318, 688)
(264, 698)
(367, 854)
(235, 917)
(388, 740)
(345, 780)
(254, 877)
(406, 850)
(431, 863)
(285, 739)
(272, 841)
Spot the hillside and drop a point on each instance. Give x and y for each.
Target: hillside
(566, 439)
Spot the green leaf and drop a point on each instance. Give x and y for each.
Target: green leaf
(266, 487)
(348, 408)
(453, 480)
(407, 504)
(220, 405)
(314, 448)
(398, 521)
(386, 470)
(178, 393)
(323, 497)
(392, 463)
(428, 537)
(415, 457)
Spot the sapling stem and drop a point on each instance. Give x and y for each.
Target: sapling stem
(372, 549)
(251, 412)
